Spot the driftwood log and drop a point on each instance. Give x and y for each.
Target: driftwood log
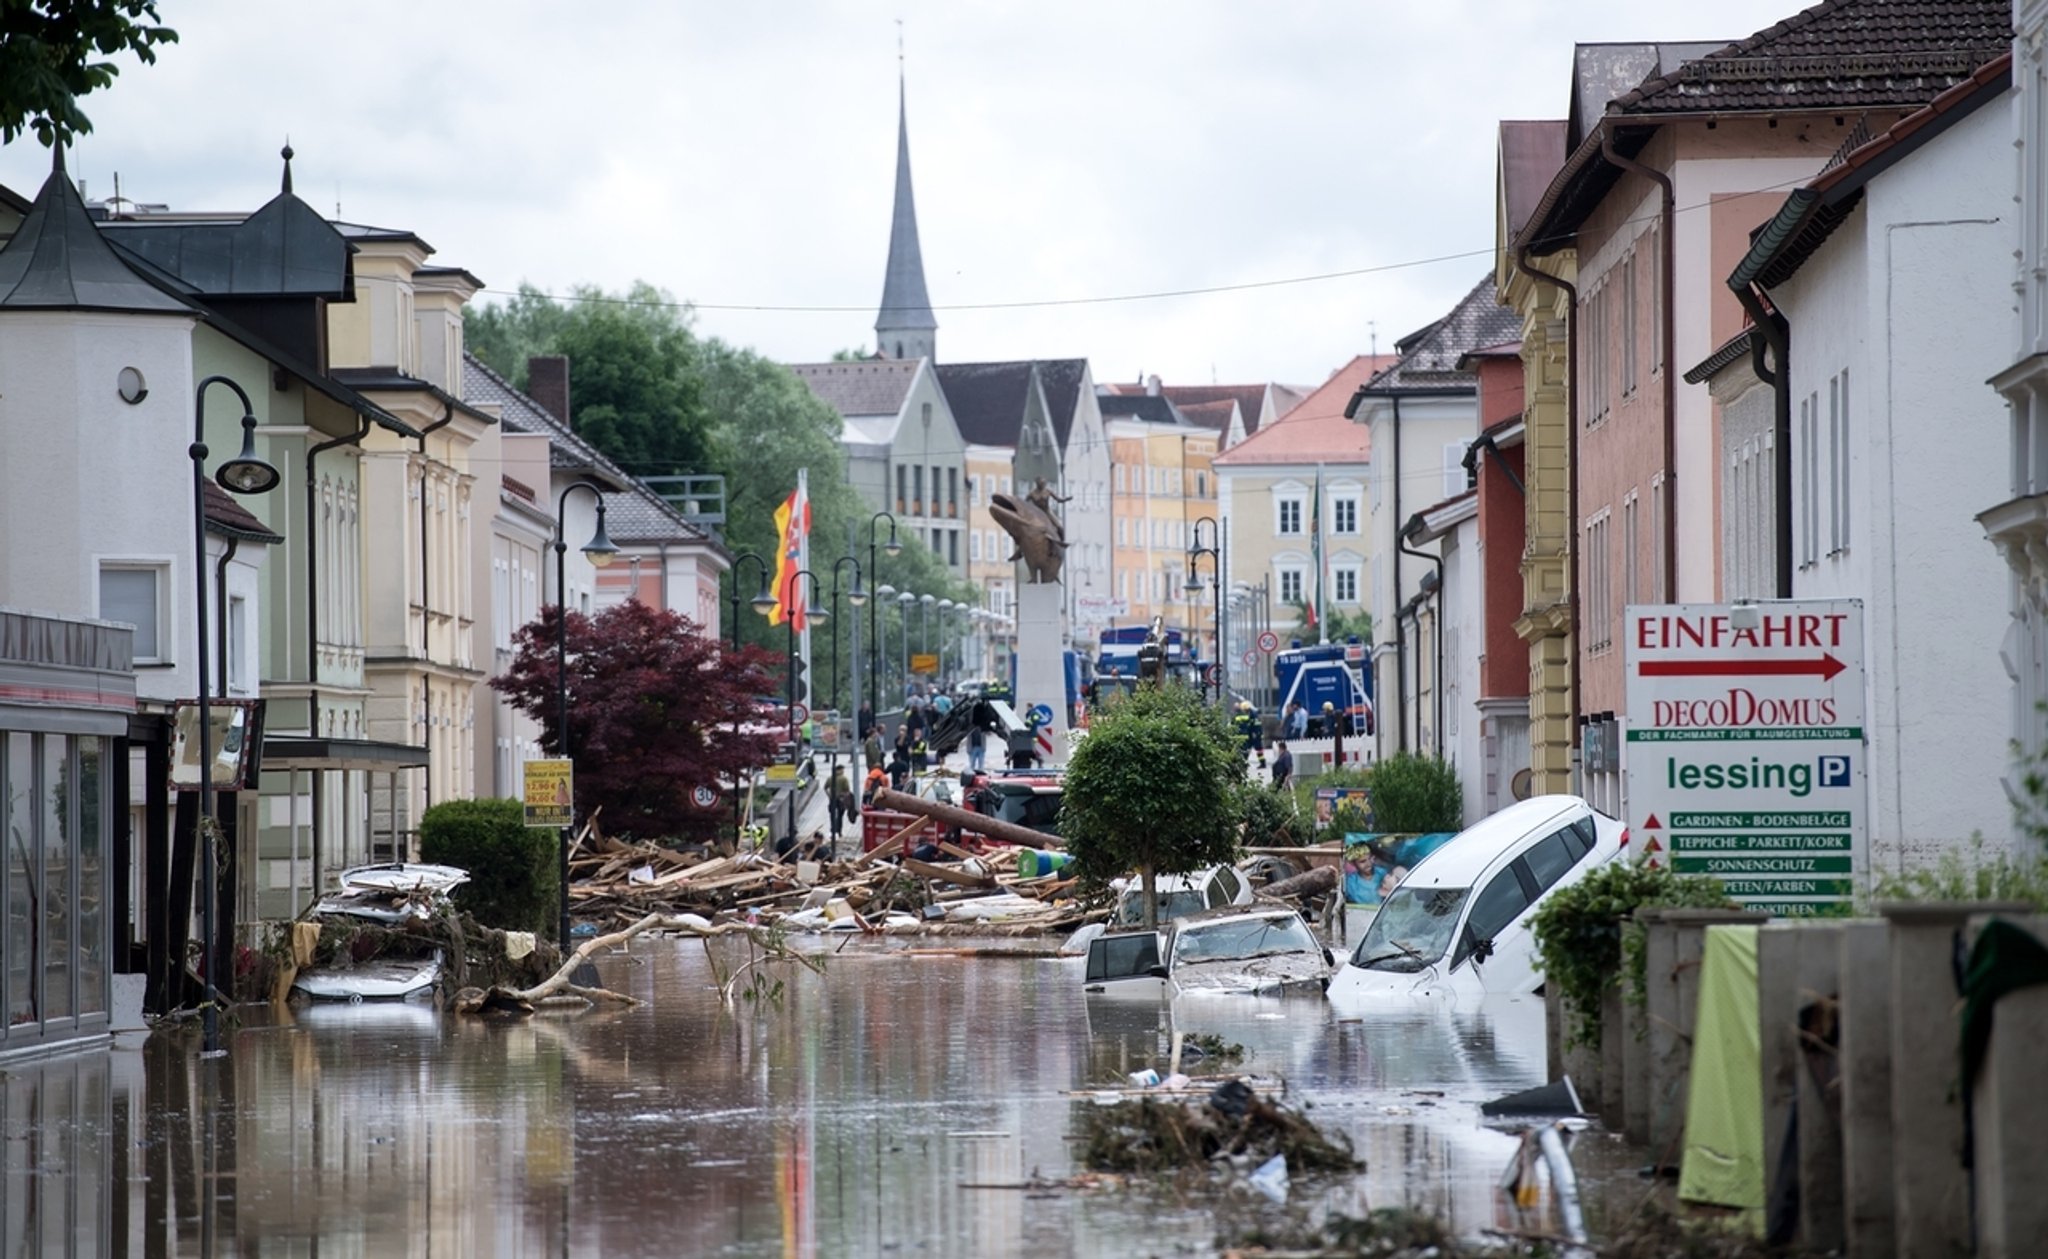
(965, 819)
(1317, 882)
(560, 984)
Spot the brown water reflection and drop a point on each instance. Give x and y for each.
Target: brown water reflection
(842, 1120)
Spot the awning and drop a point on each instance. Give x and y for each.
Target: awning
(297, 752)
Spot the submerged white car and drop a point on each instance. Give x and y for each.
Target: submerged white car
(1459, 925)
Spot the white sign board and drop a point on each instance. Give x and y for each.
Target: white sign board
(1746, 757)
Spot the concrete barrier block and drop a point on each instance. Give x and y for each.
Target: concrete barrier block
(1777, 984)
(1672, 996)
(1613, 1061)
(2009, 1110)
(1815, 1021)
(1866, 1023)
(1930, 1187)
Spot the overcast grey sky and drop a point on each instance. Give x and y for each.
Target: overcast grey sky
(742, 154)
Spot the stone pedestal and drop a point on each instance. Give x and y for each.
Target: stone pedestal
(2010, 1110)
(1867, 1090)
(1931, 1190)
(1671, 984)
(1041, 659)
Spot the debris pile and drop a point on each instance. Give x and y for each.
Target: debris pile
(1231, 1123)
(913, 883)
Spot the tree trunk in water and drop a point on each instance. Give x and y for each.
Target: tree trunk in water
(1150, 875)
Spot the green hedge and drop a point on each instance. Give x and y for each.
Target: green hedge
(513, 883)
(1415, 795)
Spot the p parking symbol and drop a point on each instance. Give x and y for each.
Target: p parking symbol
(1833, 771)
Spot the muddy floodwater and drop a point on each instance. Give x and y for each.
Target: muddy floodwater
(894, 1105)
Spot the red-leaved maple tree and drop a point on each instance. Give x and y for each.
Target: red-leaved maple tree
(657, 709)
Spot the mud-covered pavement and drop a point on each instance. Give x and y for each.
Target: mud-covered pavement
(898, 1104)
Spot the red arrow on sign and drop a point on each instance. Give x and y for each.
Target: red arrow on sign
(1826, 667)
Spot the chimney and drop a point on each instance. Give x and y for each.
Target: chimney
(1152, 386)
(547, 382)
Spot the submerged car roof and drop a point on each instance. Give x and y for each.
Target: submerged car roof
(1462, 859)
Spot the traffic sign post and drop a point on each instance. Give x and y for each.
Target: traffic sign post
(1269, 642)
(1746, 748)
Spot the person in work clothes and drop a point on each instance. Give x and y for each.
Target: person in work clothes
(1283, 766)
(840, 805)
(977, 749)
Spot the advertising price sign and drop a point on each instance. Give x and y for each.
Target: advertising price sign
(1747, 757)
(549, 793)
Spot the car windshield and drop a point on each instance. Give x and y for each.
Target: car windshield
(1412, 929)
(1130, 911)
(1239, 939)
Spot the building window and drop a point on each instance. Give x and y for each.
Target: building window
(953, 492)
(1629, 540)
(1346, 582)
(1658, 579)
(1201, 485)
(1838, 464)
(1344, 515)
(1809, 480)
(902, 487)
(1290, 516)
(133, 594)
(953, 547)
(1599, 586)
(1290, 585)
(1656, 267)
(974, 547)
(1628, 325)
(238, 644)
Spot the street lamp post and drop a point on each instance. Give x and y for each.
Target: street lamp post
(946, 607)
(600, 551)
(924, 622)
(884, 594)
(794, 590)
(894, 548)
(763, 602)
(858, 597)
(246, 473)
(904, 602)
(1194, 587)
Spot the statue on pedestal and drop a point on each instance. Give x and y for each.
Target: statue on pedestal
(1041, 540)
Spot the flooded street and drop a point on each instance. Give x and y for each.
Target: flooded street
(850, 1115)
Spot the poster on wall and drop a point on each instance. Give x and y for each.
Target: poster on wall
(235, 743)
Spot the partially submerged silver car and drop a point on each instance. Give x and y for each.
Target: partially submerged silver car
(1260, 950)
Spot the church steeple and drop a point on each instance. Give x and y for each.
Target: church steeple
(905, 327)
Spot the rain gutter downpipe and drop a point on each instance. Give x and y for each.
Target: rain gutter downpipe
(1772, 331)
(1668, 248)
(426, 603)
(1571, 481)
(1486, 443)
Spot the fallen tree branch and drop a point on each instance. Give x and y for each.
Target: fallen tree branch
(559, 985)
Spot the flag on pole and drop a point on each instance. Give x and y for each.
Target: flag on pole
(792, 526)
(1314, 619)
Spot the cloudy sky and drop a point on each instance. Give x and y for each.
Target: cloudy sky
(741, 155)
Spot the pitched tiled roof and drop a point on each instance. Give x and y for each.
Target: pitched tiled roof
(1839, 54)
(1530, 155)
(1214, 416)
(987, 399)
(1250, 399)
(633, 512)
(230, 519)
(1149, 407)
(861, 387)
(1316, 430)
(521, 414)
(1429, 358)
(1061, 379)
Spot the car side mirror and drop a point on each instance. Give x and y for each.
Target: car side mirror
(1156, 970)
(1481, 950)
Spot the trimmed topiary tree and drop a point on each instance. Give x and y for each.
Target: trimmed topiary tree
(1155, 787)
(1415, 795)
(513, 884)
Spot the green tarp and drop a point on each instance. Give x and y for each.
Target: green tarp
(1724, 1116)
